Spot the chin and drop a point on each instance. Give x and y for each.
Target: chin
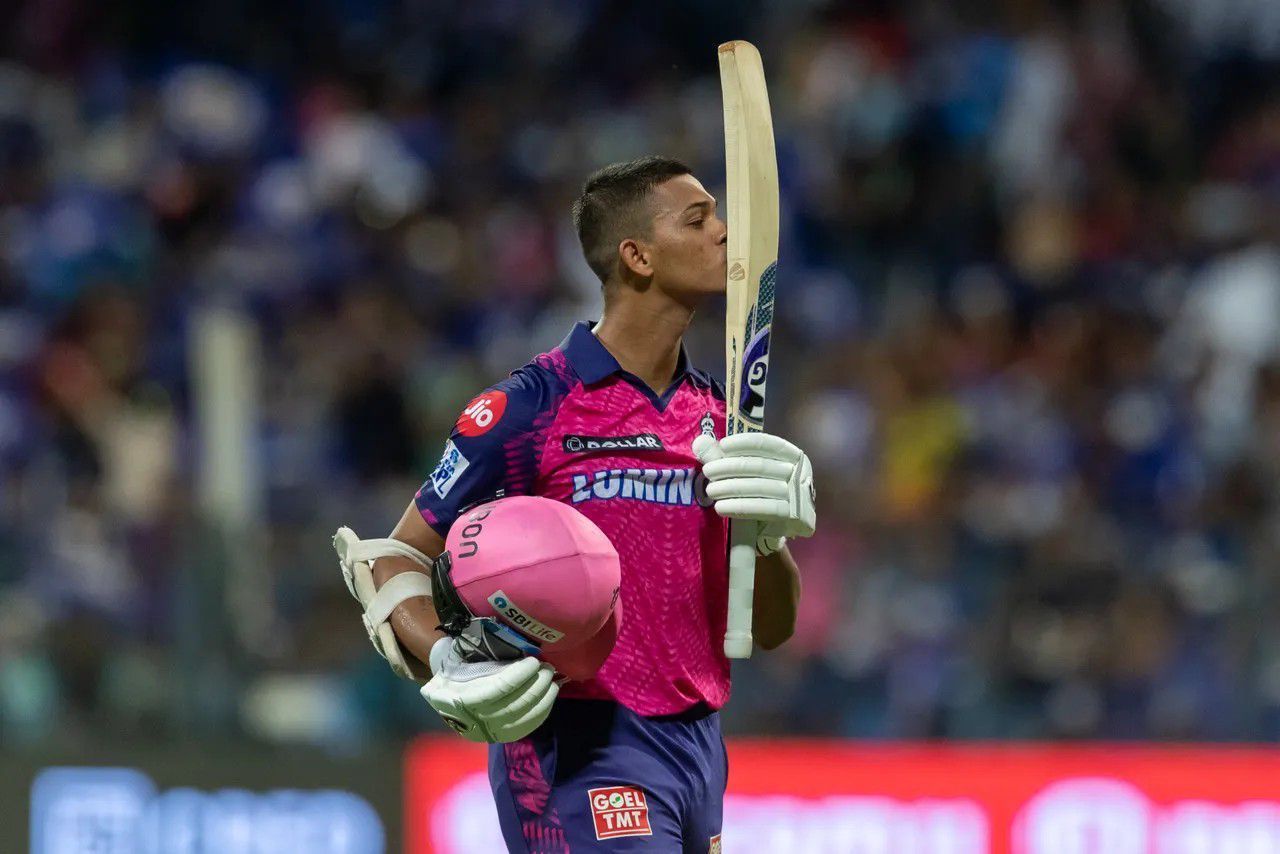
(698, 290)
(716, 282)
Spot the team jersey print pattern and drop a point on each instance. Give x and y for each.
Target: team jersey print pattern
(622, 456)
(652, 504)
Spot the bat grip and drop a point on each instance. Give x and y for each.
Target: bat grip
(742, 585)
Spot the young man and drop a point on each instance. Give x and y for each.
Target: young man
(607, 422)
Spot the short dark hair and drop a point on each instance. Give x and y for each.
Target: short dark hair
(612, 204)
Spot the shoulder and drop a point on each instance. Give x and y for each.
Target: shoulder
(521, 401)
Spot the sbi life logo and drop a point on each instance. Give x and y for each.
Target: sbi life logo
(521, 619)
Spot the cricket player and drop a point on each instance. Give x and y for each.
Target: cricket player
(617, 423)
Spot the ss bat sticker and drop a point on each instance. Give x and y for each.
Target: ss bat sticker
(755, 373)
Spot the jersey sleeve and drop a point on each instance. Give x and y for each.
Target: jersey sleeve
(492, 451)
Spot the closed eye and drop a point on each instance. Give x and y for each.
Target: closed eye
(699, 211)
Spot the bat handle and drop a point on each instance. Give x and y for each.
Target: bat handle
(742, 585)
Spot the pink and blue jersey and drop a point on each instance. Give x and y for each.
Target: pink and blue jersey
(632, 759)
(572, 425)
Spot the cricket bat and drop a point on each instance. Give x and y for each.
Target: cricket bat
(751, 205)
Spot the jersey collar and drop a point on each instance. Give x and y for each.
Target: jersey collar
(592, 361)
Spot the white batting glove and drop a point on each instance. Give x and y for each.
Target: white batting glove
(763, 478)
(489, 701)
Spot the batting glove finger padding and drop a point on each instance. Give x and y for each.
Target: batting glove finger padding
(748, 487)
(356, 557)
(761, 446)
(489, 701)
(761, 477)
(727, 467)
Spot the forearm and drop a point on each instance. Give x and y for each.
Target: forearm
(414, 620)
(777, 596)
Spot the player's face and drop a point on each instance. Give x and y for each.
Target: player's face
(689, 239)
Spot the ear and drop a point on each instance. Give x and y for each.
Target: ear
(636, 257)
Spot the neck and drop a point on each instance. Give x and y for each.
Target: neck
(645, 338)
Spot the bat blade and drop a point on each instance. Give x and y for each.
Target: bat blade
(752, 208)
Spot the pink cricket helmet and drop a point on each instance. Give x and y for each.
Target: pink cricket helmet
(544, 569)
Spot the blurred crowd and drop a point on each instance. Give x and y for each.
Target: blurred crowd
(1028, 334)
